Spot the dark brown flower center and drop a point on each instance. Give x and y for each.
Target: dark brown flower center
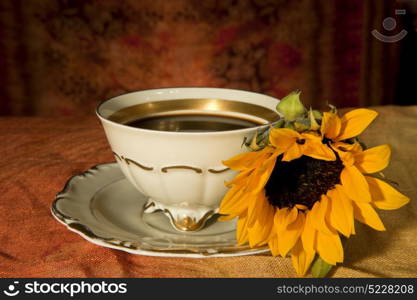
(302, 181)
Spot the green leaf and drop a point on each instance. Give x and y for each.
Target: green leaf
(317, 114)
(289, 125)
(302, 125)
(280, 123)
(313, 123)
(363, 145)
(333, 108)
(320, 268)
(254, 145)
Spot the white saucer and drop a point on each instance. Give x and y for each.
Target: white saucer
(105, 209)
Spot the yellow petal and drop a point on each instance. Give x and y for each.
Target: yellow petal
(308, 236)
(355, 147)
(253, 208)
(292, 153)
(329, 247)
(319, 213)
(248, 160)
(273, 245)
(301, 259)
(366, 214)
(284, 217)
(340, 211)
(346, 156)
(240, 179)
(226, 218)
(355, 184)
(260, 209)
(242, 161)
(242, 231)
(373, 160)
(235, 202)
(283, 138)
(330, 125)
(261, 222)
(260, 232)
(316, 149)
(261, 175)
(385, 196)
(311, 136)
(355, 122)
(288, 237)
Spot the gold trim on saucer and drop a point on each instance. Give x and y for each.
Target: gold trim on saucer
(138, 111)
(148, 205)
(187, 223)
(84, 230)
(60, 215)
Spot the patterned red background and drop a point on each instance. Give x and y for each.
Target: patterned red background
(62, 57)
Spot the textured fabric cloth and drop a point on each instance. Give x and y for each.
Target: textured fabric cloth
(63, 57)
(38, 155)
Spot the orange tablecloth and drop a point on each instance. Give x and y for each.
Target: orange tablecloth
(38, 155)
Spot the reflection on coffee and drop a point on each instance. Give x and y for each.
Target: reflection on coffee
(192, 123)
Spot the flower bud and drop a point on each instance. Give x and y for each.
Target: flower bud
(291, 107)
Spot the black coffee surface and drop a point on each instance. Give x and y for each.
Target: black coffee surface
(192, 123)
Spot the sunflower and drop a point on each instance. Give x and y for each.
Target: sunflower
(303, 190)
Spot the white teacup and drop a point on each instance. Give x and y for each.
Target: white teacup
(182, 172)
